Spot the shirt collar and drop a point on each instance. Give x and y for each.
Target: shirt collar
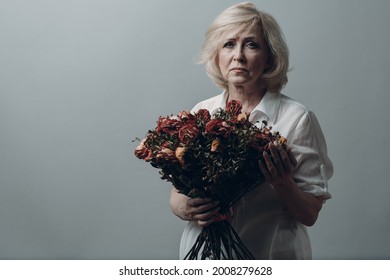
(269, 105)
(220, 102)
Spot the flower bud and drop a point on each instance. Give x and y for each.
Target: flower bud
(215, 145)
(242, 117)
(179, 153)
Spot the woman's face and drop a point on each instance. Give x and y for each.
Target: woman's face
(243, 58)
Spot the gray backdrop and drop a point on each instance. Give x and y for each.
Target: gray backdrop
(79, 79)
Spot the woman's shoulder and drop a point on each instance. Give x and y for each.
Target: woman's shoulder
(291, 104)
(295, 113)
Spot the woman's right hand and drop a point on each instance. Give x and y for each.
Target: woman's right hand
(204, 211)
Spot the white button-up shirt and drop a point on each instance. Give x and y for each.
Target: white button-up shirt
(260, 218)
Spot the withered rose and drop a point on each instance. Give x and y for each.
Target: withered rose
(218, 127)
(166, 144)
(186, 117)
(282, 140)
(234, 107)
(188, 133)
(179, 153)
(166, 154)
(142, 152)
(169, 125)
(203, 116)
(263, 141)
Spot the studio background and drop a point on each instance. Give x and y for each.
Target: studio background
(80, 79)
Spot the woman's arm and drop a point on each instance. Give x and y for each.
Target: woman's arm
(202, 210)
(278, 169)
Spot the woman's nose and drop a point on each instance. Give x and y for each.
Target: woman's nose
(239, 54)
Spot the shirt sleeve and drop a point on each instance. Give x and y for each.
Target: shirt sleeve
(314, 168)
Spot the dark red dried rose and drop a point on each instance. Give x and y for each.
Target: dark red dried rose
(166, 154)
(234, 107)
(188, 133)
(261, 141)
(168, 125)
(218, 127)
(203, 115)
(142, 152)
(186, 117)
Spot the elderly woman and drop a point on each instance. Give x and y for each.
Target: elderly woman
(245, 54)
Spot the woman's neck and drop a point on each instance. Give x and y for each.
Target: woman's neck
(248, 98)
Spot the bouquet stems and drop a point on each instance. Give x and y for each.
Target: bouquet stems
(219, 241)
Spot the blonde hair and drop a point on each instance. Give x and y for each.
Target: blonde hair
(245, 16)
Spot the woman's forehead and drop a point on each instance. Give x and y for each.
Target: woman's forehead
(236, 33)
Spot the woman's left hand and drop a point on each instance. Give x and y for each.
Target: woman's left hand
(278, 166)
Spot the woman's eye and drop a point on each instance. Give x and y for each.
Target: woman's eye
(228, 44)
(252, 45)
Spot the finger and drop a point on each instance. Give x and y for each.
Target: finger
(270, 165)
(207, 215)
(205, 223)
(287, 164)
(194, 202)
(276, 159)
(216, 218)
(202, 208)
(293, 160)
(208, 218)
(264, 170)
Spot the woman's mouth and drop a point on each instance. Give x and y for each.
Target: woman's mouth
(238, 69)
